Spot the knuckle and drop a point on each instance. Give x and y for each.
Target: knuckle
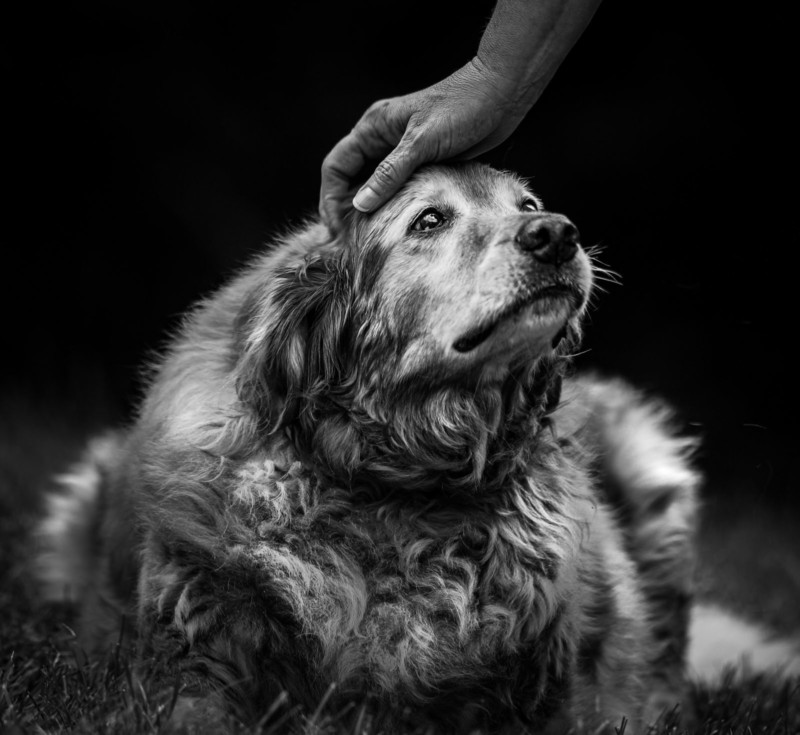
(386, 172)
(327, 163)
(381, 115)
(413, 150)
(379, 107)
(414, 141)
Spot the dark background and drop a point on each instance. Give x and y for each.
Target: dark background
(150, 148)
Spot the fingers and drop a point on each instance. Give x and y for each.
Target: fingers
(339, 168)
(377, 132)
(389, 175)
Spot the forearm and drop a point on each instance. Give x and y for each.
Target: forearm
(526, 41)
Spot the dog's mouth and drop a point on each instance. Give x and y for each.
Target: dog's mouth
(479, 334)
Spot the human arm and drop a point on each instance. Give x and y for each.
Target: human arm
(468, 113)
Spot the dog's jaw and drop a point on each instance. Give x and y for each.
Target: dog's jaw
(516, 319)
(486, 337)
(529, 321)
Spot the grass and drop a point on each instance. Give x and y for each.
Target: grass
(44, 690)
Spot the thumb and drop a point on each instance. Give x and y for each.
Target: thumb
(389, 175)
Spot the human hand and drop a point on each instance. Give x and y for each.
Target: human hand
(468, 113)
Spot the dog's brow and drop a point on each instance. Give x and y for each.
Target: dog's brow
(492, 189)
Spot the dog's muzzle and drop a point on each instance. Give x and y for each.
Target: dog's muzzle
(551, 238)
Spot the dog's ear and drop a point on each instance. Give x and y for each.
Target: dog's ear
(290, 331)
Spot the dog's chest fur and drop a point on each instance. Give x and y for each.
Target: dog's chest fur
(409, 599)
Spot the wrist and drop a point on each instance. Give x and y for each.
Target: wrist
(526, 41)
(514, 86)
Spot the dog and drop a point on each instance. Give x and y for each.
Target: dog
(366, 469)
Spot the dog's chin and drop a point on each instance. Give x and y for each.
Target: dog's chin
(525, 329)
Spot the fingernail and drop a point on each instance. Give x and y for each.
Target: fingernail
(365, 199)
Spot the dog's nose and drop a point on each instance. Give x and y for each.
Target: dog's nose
(551, 239)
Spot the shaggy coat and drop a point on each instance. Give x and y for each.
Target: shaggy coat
(355, 474)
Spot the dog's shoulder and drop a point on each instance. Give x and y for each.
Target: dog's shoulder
(192, 396)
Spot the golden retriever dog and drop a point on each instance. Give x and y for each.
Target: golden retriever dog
(364, 469)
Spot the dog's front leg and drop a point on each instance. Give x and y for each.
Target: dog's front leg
(219, 633)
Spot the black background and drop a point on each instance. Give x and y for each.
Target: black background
(150, 148)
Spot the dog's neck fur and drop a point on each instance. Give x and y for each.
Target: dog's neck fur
(452, 444)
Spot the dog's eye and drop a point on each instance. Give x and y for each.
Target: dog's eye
(430, 219)
(529, 205)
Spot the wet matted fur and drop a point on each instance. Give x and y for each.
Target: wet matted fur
(355, 465)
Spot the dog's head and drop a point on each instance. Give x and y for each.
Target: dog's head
(423, 344)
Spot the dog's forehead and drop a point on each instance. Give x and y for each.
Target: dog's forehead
(471, 185)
